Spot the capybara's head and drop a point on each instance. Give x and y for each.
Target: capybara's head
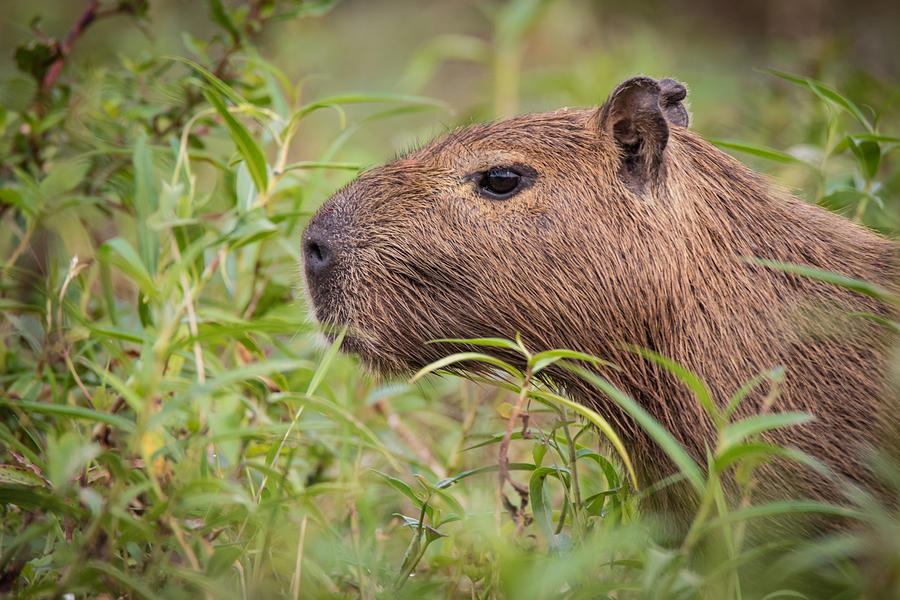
(497, 229)
(593, 230)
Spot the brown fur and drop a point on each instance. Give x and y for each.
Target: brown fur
(618, 242)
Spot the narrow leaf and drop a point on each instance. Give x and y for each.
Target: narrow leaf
(669, 444)
(119, 253)
(322, 369)
(689, 378)
(407, 491)
(243, 141)
(855, 285)
(467, 356)
(825, 93)
(77, 412)
(762, 152)
(738, 432)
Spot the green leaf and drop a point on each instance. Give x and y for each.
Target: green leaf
(787, 507)
(407, 491)
(31, 498)
(243, 141)
(64, 176)
(223, 88)
(329, 357)
(538, 451)
(445, 483)
(357, 98)
(312, 164)
(35, 58)
(775, 375)
(222, 559)
(78, 412)
(894, 325)
(27, 203)
(542, 360)
(494, 342)
(762, 152)
(221, 15)
(825, 93)
(840, 198)
(540, 504)
(146, 201)
(467, 356)
(855, 285)
(738, 432)
(887, 139)
(687, 377)
(595, 503)
(119, 253)
(761, 450)
(252, 229)
(609, 470)
(67, 455)
(669, 444)
(431, 534)
(10, 474)
(868, 156)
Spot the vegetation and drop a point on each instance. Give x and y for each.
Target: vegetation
(170, 425)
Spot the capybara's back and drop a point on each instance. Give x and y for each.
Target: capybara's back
(604, 230)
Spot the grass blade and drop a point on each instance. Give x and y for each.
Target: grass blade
(687, 377)
(467, 356)
(854, 285)
(660, 435)
(119, 253)
(738, 432)
(77, 412)
(762, 152)
(322, 369)
(243, 141)
(827, 94)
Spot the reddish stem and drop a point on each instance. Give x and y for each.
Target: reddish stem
(87, 16)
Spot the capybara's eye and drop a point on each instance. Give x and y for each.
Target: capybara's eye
(499, 182)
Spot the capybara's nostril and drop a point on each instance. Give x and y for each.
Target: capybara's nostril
(317, 255)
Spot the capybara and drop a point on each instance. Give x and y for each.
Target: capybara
(608, 229)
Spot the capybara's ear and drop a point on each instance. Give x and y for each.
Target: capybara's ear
(633, 117)
(671, 94)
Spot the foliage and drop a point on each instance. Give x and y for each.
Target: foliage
(170, 426)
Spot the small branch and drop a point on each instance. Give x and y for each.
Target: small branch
(87, 17)
(90, 14)
(517, 513)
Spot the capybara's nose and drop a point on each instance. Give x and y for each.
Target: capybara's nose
(318, 255)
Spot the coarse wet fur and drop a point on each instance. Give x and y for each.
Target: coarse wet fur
(625, 230)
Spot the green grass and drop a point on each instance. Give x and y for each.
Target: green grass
(171, 424)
